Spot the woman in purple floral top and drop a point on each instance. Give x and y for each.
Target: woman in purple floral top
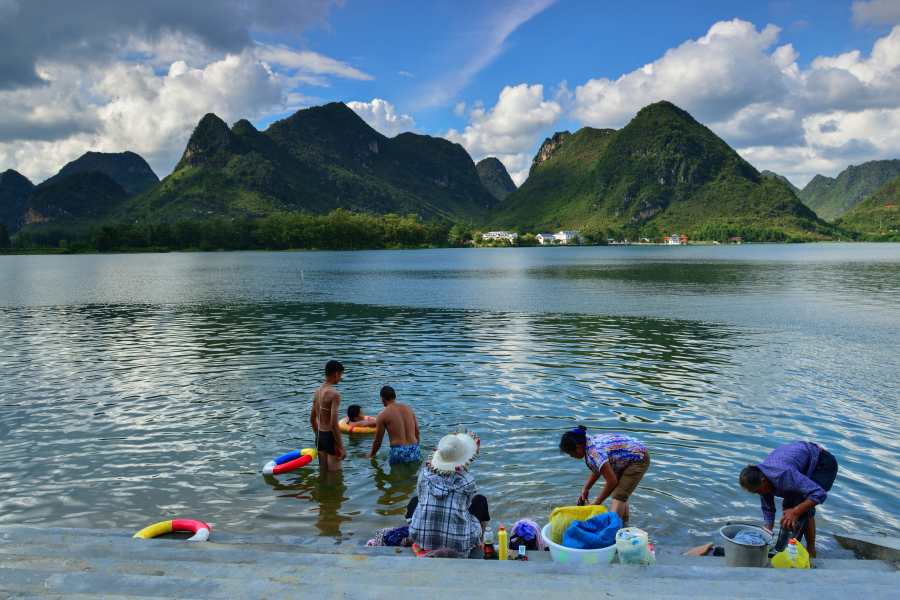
(621, 460)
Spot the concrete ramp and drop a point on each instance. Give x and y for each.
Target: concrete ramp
(76, 563)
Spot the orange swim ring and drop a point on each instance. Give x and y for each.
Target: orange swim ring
(344, 425)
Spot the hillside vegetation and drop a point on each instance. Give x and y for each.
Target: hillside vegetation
(82, 199)
(832, 197)
(662, 173)
(127, 169)
(494, 176)
(15, 189)
(877, 215)
(316, 160)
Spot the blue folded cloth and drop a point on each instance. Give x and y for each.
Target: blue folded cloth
(596, 532)
(395, 536)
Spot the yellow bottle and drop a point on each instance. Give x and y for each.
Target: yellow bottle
(502, 544)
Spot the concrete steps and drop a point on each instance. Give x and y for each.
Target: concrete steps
(60, 563)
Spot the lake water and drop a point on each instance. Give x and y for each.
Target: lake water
(137, 388)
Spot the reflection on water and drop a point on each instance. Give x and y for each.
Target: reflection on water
(138, 388)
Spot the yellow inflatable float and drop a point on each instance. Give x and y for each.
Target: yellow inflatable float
(344, 425)
(198, 528)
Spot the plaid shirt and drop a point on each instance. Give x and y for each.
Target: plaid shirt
(442, 518)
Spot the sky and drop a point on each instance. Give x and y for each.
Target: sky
(797, 87)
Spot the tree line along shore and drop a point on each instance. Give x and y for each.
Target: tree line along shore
(338, 230)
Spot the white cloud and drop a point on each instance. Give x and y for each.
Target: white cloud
(382, 117)
(307, 62)
(875, 12)
(719, 73)
(752, 93)
(131, 108)
(511, 129)
(405, 73)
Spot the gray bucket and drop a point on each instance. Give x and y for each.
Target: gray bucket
(742, 555)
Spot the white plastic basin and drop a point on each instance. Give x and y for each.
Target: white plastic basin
(561, 554)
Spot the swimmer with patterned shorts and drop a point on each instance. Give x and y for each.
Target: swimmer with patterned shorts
(405, 454)
(403, 430)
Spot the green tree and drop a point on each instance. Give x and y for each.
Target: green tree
(106, 238)
(4, 235)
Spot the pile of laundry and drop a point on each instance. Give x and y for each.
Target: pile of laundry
(392, 537)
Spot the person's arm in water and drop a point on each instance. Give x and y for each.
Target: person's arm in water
(586, 490)
(416, 423)
(611, 482)
(379, 436)
(362, 422)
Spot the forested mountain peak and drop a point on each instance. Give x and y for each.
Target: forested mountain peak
(832, 197)
(127, 169)
(495, 177)
(316, 160)
(774, 175)
(878, 214)
(14, 191)
(663, 172)
(210, 141)
(82, 195)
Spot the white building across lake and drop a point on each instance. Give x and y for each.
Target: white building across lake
(492, 236)
(545, 238)
(676, 240)
(566, 237)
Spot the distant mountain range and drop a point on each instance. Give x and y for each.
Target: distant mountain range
(316, 160)
(877, 214)
(831, 197)
(662, 173)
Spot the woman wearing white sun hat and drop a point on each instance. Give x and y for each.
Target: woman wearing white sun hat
(448, 513)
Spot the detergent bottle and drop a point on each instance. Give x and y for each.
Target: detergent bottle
(792, 550)
(502, 544)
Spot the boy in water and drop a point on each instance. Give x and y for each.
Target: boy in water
(356, 418)
(324, 419)
(403, 430)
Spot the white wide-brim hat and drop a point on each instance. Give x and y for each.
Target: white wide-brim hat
(454, 452)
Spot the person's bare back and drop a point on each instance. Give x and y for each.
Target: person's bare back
(403, 430)
(400, 422)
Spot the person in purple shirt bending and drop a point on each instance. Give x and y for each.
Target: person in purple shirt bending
(801, 473)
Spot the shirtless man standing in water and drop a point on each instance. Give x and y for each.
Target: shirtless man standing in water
(402, 428)
(324, 419)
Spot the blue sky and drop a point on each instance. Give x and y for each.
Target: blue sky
(798, 87)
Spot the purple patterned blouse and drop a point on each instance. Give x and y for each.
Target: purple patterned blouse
(789, 468)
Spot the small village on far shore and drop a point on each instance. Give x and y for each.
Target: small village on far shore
(574, 238)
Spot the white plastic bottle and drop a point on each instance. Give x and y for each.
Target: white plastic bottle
(792, 550)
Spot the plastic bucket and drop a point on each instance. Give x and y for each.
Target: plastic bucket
(561, 554)
(742, 555)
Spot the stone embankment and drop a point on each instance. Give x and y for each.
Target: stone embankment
(82, 563)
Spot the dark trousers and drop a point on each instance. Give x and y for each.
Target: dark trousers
(479, 508)
(824, 476)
